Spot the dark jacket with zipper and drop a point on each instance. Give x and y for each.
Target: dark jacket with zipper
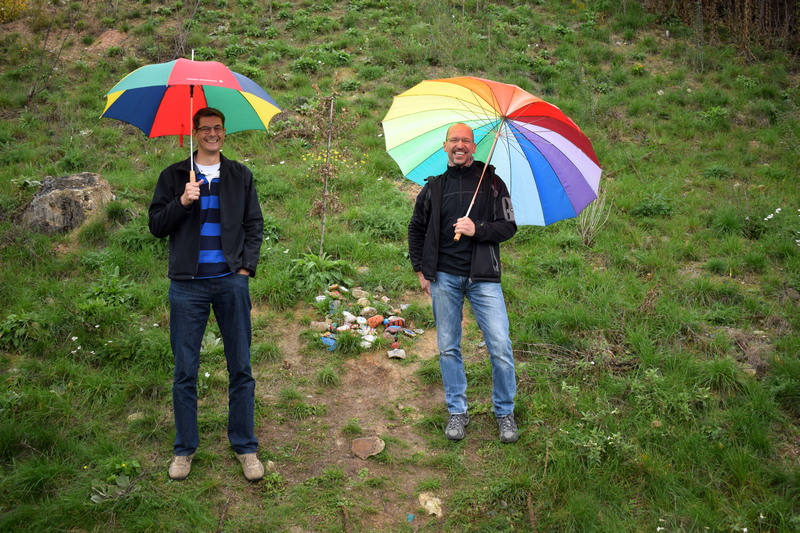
(492, 214)
(242, 224)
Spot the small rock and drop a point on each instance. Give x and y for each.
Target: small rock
(367, 340)
(431, 504)
(375, 321)
(395, 321)
(368, 312)
(367, 447)
(397, 353)
(318, 326)
(133, 417)
(363, 302)
(359, 293)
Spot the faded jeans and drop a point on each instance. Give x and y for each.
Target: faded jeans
(488, 306)
(190, 305)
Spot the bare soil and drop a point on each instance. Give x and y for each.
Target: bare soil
(384, 396)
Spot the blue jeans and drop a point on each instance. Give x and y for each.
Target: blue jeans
(489, 308)
(190, 305)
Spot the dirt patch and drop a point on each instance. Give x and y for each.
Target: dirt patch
(106, 40)
(383, 397)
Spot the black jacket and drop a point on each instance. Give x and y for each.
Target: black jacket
(242, 224)
(494, 223)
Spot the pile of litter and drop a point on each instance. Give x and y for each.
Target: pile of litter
(356, 311)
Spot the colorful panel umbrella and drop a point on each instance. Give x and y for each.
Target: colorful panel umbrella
(546, 161)
(160, 99)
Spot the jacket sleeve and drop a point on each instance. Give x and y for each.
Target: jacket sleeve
(499, 225)
(417, 228)
(166, 211)
(253, 226)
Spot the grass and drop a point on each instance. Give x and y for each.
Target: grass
(658, 366)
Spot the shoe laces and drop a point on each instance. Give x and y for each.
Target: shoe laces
(457, 420)
(507, 423)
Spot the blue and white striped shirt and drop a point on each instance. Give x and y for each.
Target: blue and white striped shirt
(211, 262)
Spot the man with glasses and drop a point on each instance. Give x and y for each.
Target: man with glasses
(214, 223)
(457, 256)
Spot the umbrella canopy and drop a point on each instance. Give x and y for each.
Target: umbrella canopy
(545, 160)
(160, 99)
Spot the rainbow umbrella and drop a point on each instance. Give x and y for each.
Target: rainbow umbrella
(160, 99)
(543, 157)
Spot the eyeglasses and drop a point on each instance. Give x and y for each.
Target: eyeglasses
(454, 140)
(209, 129)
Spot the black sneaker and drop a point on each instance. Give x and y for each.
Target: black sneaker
(456, 426)
(508, 429)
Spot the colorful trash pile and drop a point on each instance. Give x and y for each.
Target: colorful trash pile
(357, 311)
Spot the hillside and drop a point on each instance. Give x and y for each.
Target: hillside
(656, 335)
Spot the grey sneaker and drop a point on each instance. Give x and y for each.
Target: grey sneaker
(251, 467)
(508, 429)
(456, 426)
(180, 467)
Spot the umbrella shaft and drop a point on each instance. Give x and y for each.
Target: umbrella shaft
(480, 181)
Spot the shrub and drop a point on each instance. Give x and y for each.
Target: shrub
(315, 272)
(12, 9)
(16, 330)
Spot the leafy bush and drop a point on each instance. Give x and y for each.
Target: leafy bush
(314, 272)
(306, 64)
(16, 330)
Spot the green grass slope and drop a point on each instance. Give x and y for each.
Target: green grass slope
(656, 336)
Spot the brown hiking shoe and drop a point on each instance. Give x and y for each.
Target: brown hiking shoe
(251, 467)
(180, 467)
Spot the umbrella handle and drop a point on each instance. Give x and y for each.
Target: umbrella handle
(192, 176)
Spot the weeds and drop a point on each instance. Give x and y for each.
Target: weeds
(313, 272)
